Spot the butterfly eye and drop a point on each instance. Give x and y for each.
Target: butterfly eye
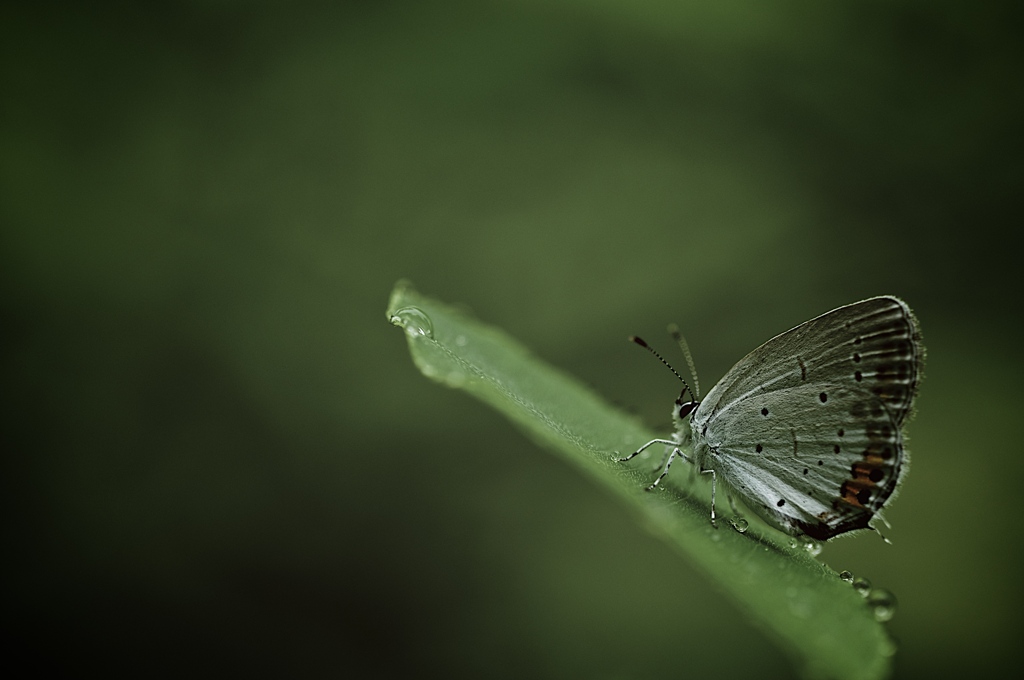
(687, 408)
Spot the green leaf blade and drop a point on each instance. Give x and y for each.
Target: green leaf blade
(818, 618)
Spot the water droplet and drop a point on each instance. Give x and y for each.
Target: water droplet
(862, 585)
(415, 322)
(741, 525)
(812, 546)
(882, 603)
(461, 340)
(846, 576)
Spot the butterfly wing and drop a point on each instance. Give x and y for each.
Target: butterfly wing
(874, 344)
(814, 459)
(845, 380)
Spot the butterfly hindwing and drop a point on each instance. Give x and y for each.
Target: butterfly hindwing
(813, 459)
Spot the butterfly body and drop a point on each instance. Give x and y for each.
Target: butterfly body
(807, 429)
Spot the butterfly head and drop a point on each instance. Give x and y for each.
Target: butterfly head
(683, 407)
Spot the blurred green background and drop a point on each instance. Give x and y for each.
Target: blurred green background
(219, 456)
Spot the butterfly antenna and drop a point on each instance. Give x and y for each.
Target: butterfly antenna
(681, 341)
(642, 343)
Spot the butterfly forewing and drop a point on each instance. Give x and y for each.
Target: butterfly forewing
(873, 344)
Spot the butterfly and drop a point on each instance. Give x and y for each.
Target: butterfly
(807, 429)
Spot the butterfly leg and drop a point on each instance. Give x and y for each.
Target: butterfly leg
(664, 460)
(668, 464)
(667, 442)
(714, 483)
